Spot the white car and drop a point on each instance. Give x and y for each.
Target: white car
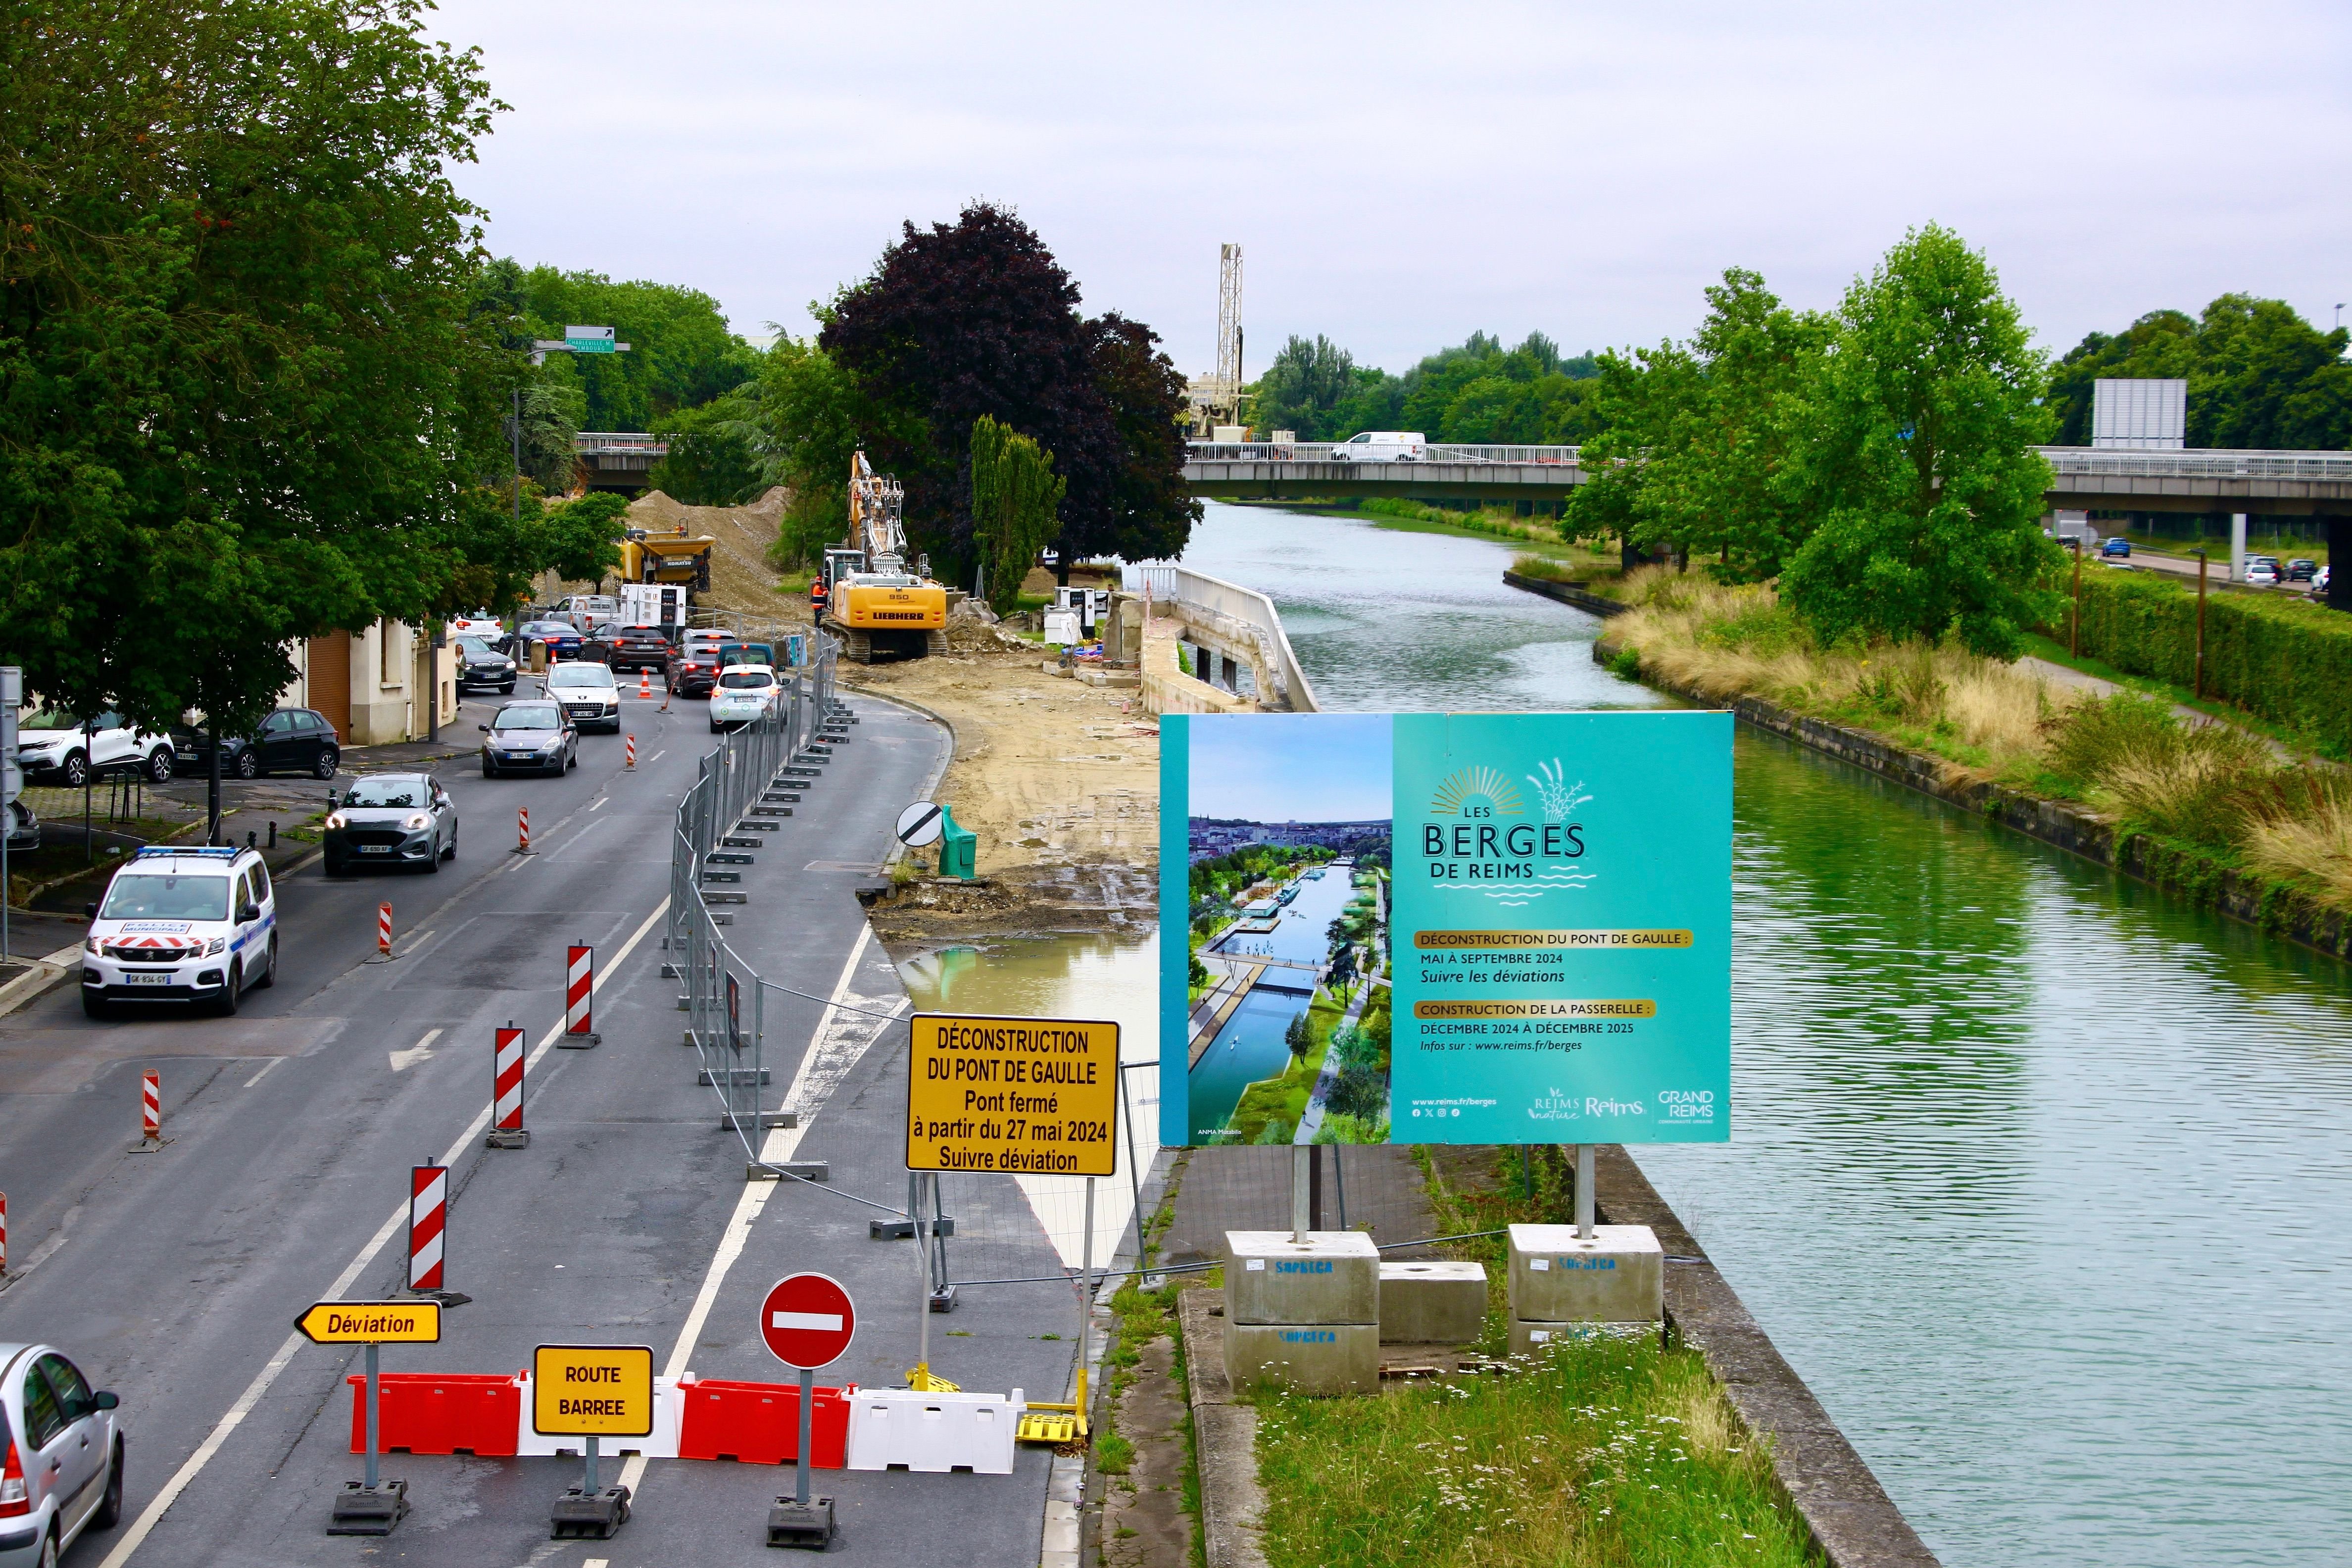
(56, 748)
(480, 624)
(743, 694)
(1382, 446)
(591, 697)
(2261, 574)
(181, 924)
(60, 1456)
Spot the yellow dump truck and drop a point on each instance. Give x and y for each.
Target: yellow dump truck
(873, 603)
(668, 558)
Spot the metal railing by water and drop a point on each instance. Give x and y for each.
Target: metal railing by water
(2187, 463)
(1242, 615)
(1337, 452)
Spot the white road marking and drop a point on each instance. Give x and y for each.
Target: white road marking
(264, 1073)
(600, 801)
(658, 756)
(421, 1051)
(152, 1514)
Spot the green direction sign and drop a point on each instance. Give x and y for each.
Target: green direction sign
(588, 339)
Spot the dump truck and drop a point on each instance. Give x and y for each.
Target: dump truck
(873, 603)
(681, 558)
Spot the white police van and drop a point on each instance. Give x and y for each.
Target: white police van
(193, 925)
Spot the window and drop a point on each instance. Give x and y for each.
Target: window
(260, 880)
(43, 1419)
(73, 1394)
(386, 790)
(166, 898)
(528, 716)
(387, 664)
(278, 723)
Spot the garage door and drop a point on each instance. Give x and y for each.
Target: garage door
(331, 680)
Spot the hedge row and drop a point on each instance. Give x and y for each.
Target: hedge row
(2289, 660)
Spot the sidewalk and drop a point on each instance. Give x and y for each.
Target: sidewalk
(2060, 674)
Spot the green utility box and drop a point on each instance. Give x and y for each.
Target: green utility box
(957, 847)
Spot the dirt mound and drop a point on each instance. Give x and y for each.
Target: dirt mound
(741, 577)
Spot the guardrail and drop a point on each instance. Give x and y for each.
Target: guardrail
(620, 441)
(1337, 452)
(2187, 463)
(1241, 613)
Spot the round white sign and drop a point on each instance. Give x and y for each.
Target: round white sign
(920, 824)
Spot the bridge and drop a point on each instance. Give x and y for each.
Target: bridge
(617, 460)
(2294, 484)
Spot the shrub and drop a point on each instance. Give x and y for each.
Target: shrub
(1543, 567)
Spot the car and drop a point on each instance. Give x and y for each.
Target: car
(480, 624)
(745, 693)
(591, 612)
(482, 667)
(695, 669)
(588, 692)
(182, 923)
(637, 648)
(563, 639)
(1382, 446)
(531, 735)
(2301, 570)
(60, 1456)
(2261, 574)
(388, 819)
(2119, 547)
(54, 747)
(23, 826)
(2319, 580)
(290, 740)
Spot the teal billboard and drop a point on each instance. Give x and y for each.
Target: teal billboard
(1447, 928)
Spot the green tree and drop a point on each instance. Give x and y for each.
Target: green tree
(1303, 388)
(580, 540)
(244, 393)
(681, 353)
(2260, 376)
(1919, 461)
(1016, 496)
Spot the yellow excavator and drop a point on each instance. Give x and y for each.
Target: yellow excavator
(873, 602)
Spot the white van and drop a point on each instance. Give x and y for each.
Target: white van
(1382, 446)
(193, 924)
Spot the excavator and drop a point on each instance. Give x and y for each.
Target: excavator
(873, 603)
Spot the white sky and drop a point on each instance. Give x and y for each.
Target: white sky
(1400, 176)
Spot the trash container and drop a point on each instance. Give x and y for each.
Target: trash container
(957, 846)
(537, 656)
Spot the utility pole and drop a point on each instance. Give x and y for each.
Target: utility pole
(2200, 623)
(2074, 623)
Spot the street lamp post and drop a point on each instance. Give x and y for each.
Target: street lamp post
(2200, 623)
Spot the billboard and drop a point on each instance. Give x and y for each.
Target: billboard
(1445, 928)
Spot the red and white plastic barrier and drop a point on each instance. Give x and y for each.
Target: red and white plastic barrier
(4, 1233)
(489, 1416)
(383, 930)
(506, 1080)
(928, 1431)
(579, 988)
(522, 829)
(429, 1213)
(632, 762)
(150, 1105)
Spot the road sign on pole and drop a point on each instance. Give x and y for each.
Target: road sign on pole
(592, 1391)
(588, 339)
(920, 824)
(808, 1322)
(371, 1506)
(1031, 1096)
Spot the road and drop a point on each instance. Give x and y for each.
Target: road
(173, 1276)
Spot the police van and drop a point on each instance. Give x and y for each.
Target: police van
(195, 925)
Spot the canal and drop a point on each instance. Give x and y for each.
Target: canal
(2042, 1180)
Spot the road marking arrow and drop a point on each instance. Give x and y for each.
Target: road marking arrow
(421, 1051)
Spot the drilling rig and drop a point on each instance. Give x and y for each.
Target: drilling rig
(873, 603)
(1216, 399)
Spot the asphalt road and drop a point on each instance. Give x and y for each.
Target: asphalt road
(174, 1277)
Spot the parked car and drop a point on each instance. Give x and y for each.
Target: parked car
(482, 667)
(563, 639)
(529, 736)
(2319, 582)
(60, 1456)
(589, 695)
(638, 647)
(2117, 547)
(2301, 570)
(391, 818)
(53, 747)
(23, 826)
(745, 692)
(2262, 573)
(181, 924)
(591, 612)
(1382, 446)
(290, 740)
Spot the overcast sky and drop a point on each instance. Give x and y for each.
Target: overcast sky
(1401, 176)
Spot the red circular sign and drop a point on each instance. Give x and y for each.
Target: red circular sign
(807, 1320)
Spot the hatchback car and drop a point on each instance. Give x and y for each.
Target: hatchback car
(533, 736)
(2118, 546)
(589, 694)
(56, 748)
(695, 670)
(2261, 574)
(2301, 570)
(638, 647)
(482, 667)
(60, 1456)
(290, 740)
(195, 924)
(745, 693)
(392, 819)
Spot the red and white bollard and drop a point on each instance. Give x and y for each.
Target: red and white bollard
(3, 1234)
(428, 1211)
(632, 764)
(645, 683)
(384, 930)
(522, 830)
(506, 1090)
(150, 1106)
(578, 993)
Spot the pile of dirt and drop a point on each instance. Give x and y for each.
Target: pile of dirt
(741, 577)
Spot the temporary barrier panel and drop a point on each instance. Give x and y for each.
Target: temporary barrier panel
(460, 1412)
(661, 1443)
(933, 1432)
(759, 1423)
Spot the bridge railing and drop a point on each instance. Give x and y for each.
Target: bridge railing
(2198, 463)
(620, 441)
(1331, 451)
(1239, 612)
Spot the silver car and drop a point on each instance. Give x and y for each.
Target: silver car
(60, 1456)
(392, 819)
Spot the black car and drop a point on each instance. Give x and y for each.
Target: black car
(2301, 571)
(637, 648)
(290, 740)
(529, 737)
(392, 819)
(482, 667)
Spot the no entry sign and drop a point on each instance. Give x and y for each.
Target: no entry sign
(807, 1320)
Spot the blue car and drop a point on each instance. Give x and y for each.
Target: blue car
(2117, 547)
(563, 639)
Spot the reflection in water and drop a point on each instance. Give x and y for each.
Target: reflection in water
(2043, 1181)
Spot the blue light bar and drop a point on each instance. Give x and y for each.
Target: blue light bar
(215, 851)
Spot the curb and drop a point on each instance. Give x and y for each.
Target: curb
(44, 976)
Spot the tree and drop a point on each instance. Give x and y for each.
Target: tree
(245, 396)
(681, 353)
(1015, 496)
(580, 540)
(1298, 1037)
(1151, 512)
(2259, 375)
(1303, 388)
(1919, 461)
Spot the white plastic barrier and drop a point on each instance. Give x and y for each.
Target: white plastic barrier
(669, 1412)
(933, 1432)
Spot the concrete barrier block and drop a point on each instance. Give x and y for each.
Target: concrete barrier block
(1617, 1276)
(1430, 1304)
(1330, 1276)
(1305, 1358)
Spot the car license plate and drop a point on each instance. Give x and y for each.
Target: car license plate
(375, 848)
(165, 978)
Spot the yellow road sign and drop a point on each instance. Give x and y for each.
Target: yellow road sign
(371, 1324)
(1036, 1096)
(599, 1391)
